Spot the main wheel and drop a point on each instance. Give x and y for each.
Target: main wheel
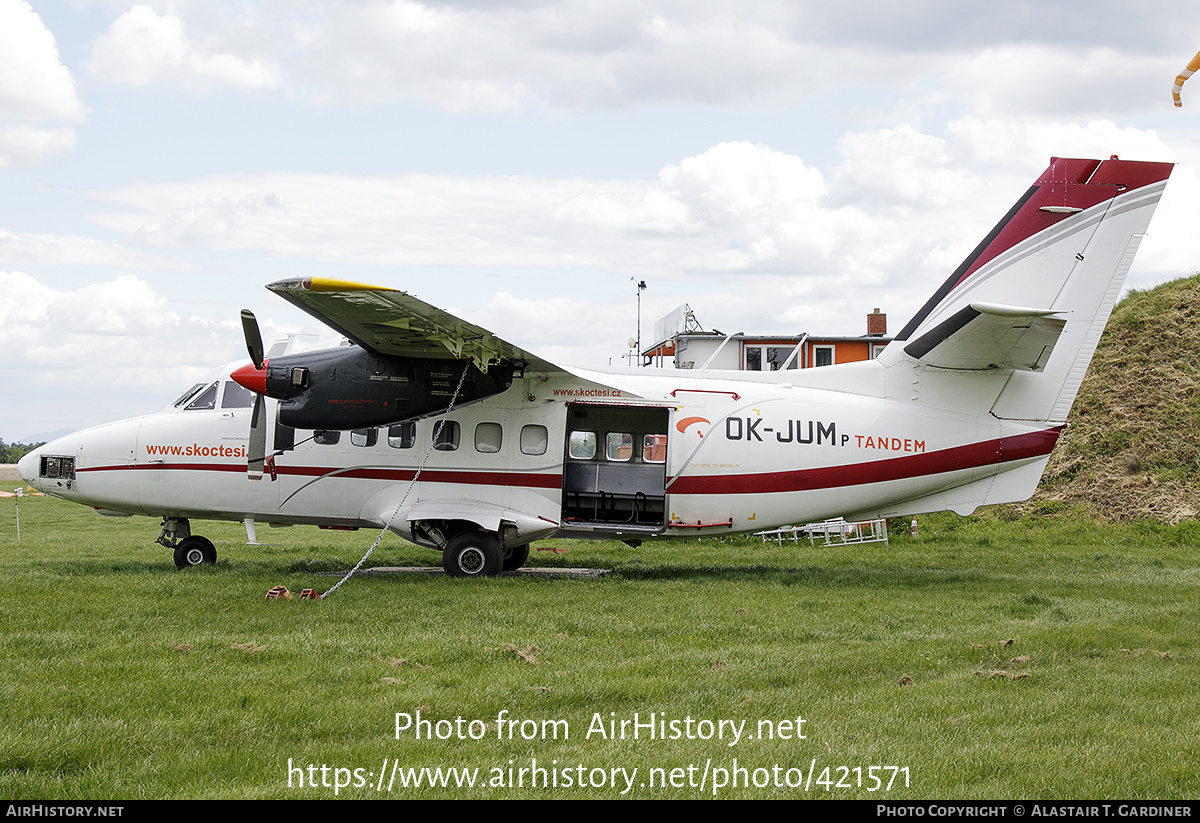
(194, 550)
(515, 558)
(472, 554)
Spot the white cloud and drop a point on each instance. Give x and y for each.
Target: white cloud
(549, 326)
(143, 47)
(736, 207)
(117, 343)
(1021, 57)
(56, 326)
(37, 93)
(573, 56)
(900, 208)
(34, 84)
(25, 145)
(1050, 80)
(26, 249)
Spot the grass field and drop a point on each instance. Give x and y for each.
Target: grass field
(1029, 657)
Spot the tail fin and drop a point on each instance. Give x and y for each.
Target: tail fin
(1035, 295)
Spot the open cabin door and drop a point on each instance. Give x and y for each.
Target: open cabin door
(615, 467)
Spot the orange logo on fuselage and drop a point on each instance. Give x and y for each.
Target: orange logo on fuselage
(687, 421)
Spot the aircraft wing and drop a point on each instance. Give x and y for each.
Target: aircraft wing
(990, 336)
(394, 323)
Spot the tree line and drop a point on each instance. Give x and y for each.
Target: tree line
(12, 452)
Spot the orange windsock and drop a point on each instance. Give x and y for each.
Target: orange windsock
(1192, 67)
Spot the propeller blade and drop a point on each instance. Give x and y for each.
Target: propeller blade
(256, 455)
(254, 344)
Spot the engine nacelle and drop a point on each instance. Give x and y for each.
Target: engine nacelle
(351, 388)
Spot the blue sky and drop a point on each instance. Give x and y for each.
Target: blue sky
(780, 166)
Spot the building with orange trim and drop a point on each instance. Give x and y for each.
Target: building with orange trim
(694, 348)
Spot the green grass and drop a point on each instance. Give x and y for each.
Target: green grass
(1000, 656)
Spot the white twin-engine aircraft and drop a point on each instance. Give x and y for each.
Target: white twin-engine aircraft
(961, 410)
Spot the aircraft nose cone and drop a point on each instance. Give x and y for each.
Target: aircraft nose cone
(27, 466)
(251, 378)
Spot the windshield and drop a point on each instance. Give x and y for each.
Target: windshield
(183, 398)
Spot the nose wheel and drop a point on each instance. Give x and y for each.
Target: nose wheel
(194, 550)
(190, 549)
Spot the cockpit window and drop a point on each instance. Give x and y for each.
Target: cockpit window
(205, 401)
(236, 397)
(187, 395)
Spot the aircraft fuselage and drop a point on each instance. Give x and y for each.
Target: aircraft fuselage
(677, 455)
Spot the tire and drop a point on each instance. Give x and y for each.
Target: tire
(472, 554)
(194, 550)
(515, 558)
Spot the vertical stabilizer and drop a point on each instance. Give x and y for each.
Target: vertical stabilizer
(1034, 296)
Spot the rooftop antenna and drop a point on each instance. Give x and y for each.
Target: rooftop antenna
(640, 287)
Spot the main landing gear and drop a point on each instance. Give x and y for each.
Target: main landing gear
(515, 558)
(190, 549)
(478, 554)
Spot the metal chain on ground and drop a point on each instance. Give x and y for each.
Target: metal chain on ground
(411, 484)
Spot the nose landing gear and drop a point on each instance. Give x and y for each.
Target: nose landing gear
(190, 549)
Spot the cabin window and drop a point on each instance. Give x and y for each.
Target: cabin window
(364, 437)
(445, 435)
(236, 397)
(582, 445)
(654, 448)
(488, 437)
(534, 439)
(618, 447)
(205, 401)
(822, 355)
(327, 437)
(402, 435)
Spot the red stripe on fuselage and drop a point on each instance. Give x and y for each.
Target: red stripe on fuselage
(464, 477)
(970, 456)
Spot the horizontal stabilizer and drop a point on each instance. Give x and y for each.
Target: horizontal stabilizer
(990, 336)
